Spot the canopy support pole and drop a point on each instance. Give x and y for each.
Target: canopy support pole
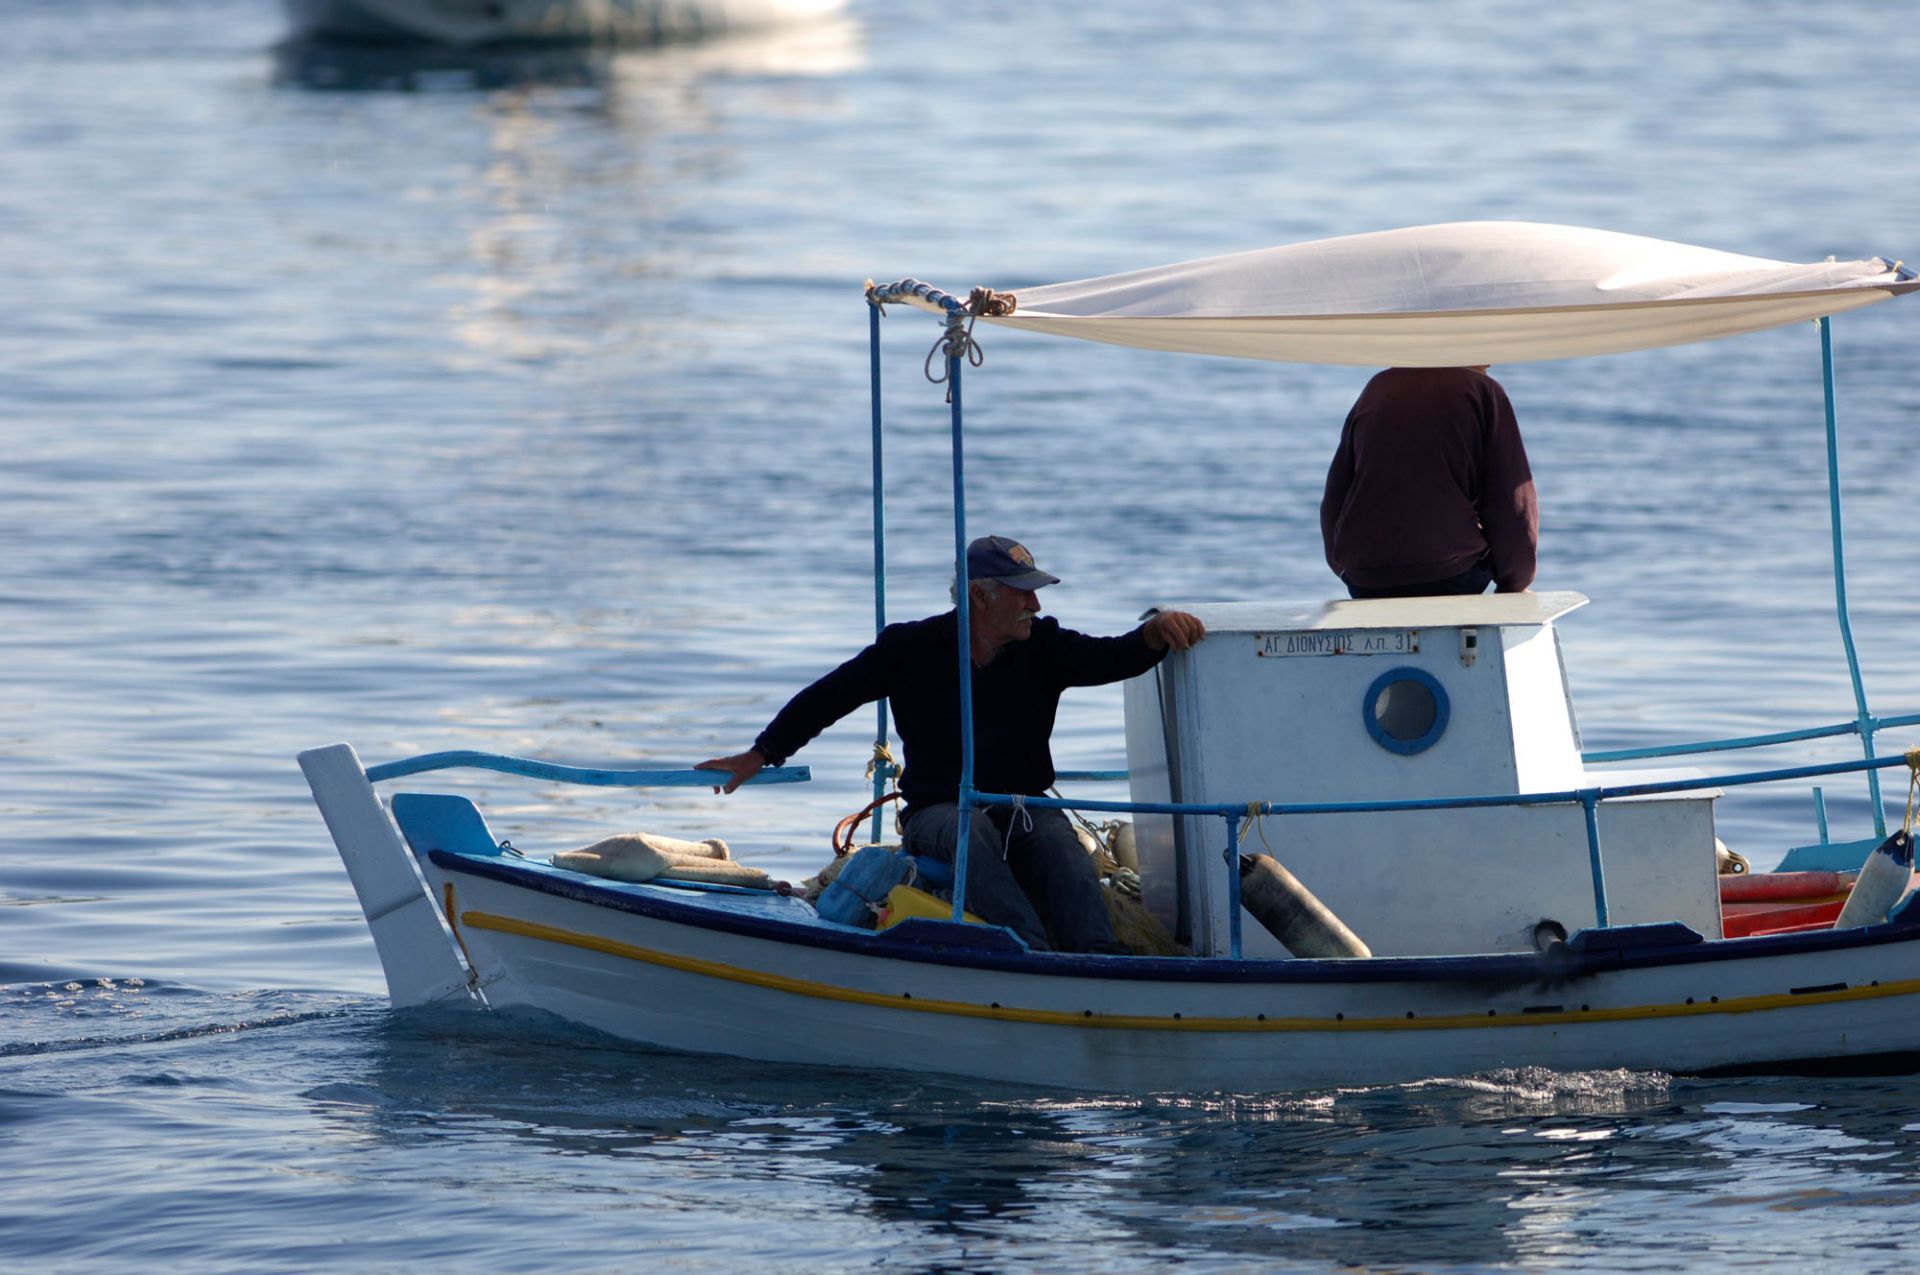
(1863, 719)
(881, 771)
(954, 345)
(963, 832)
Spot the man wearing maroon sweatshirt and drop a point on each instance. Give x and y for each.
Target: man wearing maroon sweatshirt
(1430, 491)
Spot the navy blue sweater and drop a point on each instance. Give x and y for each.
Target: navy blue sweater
(915, 665)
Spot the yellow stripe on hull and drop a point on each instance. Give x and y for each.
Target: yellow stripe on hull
(1141, 1022)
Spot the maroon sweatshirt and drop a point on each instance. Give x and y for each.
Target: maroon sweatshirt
(1430, 477)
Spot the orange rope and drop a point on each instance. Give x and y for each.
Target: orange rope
(843, 831)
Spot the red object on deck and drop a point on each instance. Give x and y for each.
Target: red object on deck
(1741, 921)
(1753, 887)
(1781, 902)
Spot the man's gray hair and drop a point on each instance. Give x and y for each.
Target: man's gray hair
(953, 590)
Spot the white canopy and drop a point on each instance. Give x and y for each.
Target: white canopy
(1459, 294)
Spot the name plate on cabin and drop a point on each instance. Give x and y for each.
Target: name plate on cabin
(1351, 642)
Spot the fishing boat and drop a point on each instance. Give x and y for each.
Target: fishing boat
(1569, 908)
(473, 23)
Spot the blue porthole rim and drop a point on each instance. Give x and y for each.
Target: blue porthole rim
(1441, 710)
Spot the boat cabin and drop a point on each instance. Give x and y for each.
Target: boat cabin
(1392, 699)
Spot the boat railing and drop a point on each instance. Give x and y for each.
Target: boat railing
(1872, 725)
(1869, 726)
(532, 769)
(1235, 814)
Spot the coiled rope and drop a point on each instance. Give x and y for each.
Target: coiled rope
(957, 342)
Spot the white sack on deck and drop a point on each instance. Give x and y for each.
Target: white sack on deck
(1458, 294)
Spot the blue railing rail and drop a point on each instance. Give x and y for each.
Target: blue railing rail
(1640, 754)
(1588, 798)
(1869, 725)
(532, 769)
(1600, 792)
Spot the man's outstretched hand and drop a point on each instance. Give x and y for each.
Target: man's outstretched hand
(1173, 631)
(741, 766)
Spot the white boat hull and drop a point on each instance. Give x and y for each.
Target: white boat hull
(761, 976)
(1150, 1025)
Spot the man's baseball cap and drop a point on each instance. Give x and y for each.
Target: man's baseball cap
(998, 558)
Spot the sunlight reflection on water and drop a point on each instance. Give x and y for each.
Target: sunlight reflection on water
(518, 401)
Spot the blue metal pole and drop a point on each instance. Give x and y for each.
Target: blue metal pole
(1590, 799)
(532, 769)
(1233, 885)
(963, 830)
(880, 775)
(1863, 717)
(1564, 797)
(1745, 741)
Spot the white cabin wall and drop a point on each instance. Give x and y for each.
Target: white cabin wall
(1294, 728)
(1545, 748)
(1274, 707)
(1411, 884)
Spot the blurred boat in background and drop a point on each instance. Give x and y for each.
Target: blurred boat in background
(470, 23)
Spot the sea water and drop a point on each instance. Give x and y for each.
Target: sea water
(519, 402)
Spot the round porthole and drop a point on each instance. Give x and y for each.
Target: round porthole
(1405, 710)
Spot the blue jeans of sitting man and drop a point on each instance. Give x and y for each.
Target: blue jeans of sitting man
(1026, 870)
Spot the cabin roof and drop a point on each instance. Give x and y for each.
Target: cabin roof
(1487, 610)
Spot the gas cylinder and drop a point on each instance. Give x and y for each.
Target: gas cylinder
(1291, 914)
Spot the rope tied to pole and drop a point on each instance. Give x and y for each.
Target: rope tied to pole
(883, 761)
(1256, 818)
(1021, 817)
(995, 305)
(957, 342)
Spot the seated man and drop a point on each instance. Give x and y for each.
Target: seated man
(1026, 869)
(1430, 491)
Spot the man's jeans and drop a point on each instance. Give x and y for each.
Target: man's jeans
(1018, 858)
